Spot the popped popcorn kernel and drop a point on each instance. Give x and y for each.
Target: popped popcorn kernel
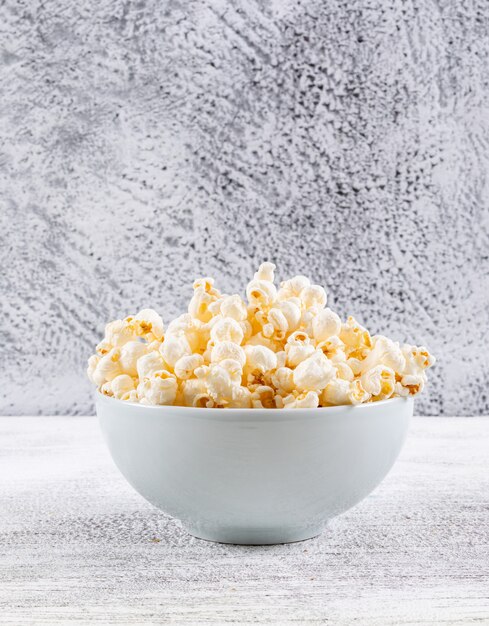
(355, 337)
(130, 353)
(260, 358)
(234, 307)
(292, 288)
(148, 323)
(278, 348)
(358, 394)
(379, 381)
(187, 364)
(263, 397)
(92, 366)
(194, 390)
(304, 400)
(241, 398)
(413, 383)
(227, 329)
(174, 347)
(227, 350)
(326, 324)
(314, 373)
(265, 272)
(296, 350)
(313, 296)
(261, 293)
(150, 363)
(199, 305)
(283, 380)
(291, 311)
(336, 392)
(219, 383)
(386, 352)
(122, 386)
(159, 388)
(106, 368)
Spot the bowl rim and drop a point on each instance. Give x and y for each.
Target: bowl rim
(324, 411)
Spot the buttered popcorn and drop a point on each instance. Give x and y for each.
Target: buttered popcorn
(279, 348)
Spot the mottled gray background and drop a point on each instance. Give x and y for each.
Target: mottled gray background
(145, 143)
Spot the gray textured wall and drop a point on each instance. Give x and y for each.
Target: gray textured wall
(145, 143)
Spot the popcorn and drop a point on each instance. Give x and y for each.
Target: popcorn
(196, 332)
(326, 324)
(194, 393)
(355, 365)
(292, 288)
(283, 380)
(279, 402)
(241, 398)
(187, 364)
(130, 353)
(93, 361)
(313, 296)
(412, 384)
(199, 305)
(298, 348)
(305, 400)
(265, 272)
(234, 307)
(259, 340)
(106, 368)
(355, 337)
(281, 358)
(386, 352)
(314, 373)
(282, 349)
(181, 324)
(219, 383)
(159, 388)
(337, 391)
(122, 386)
(174, 347)
(379, 381)
(259, 360)
(117, 333)
(132, 396)
(227, 350)
(344, 371)
(263, 397)
(233, 368)
(261, 293)
(154, 346)
(358, 394)
(333, 348)
(150, 363)
(227, 329)
(149, 324)
(291, 311)
(417, 359)
(278, 321)
(247, 329)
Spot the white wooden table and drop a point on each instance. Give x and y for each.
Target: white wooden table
(78, 545)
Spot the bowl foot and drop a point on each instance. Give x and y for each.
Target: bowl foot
(252, 536)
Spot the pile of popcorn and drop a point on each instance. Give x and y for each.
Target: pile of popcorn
(279, 348)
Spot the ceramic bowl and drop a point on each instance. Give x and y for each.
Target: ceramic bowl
(253, 476)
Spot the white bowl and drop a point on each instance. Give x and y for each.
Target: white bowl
(253, 476)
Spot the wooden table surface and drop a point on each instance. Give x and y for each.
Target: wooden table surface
(78, 545)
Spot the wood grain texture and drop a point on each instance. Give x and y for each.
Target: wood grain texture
(144, 144)
(79, 546)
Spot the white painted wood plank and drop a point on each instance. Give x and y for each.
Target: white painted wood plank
(77, 545)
